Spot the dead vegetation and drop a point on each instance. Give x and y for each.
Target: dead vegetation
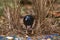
(13, 24)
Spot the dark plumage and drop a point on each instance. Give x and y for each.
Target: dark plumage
(28, 20)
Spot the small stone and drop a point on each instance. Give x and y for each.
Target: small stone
(48, 39)
(26, 35)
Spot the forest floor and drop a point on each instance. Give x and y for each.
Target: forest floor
(4, 30)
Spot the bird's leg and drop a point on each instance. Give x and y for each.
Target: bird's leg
(26, 30)
(32, 30)
(26, 33)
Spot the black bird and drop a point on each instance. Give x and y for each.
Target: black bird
(28, 20)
